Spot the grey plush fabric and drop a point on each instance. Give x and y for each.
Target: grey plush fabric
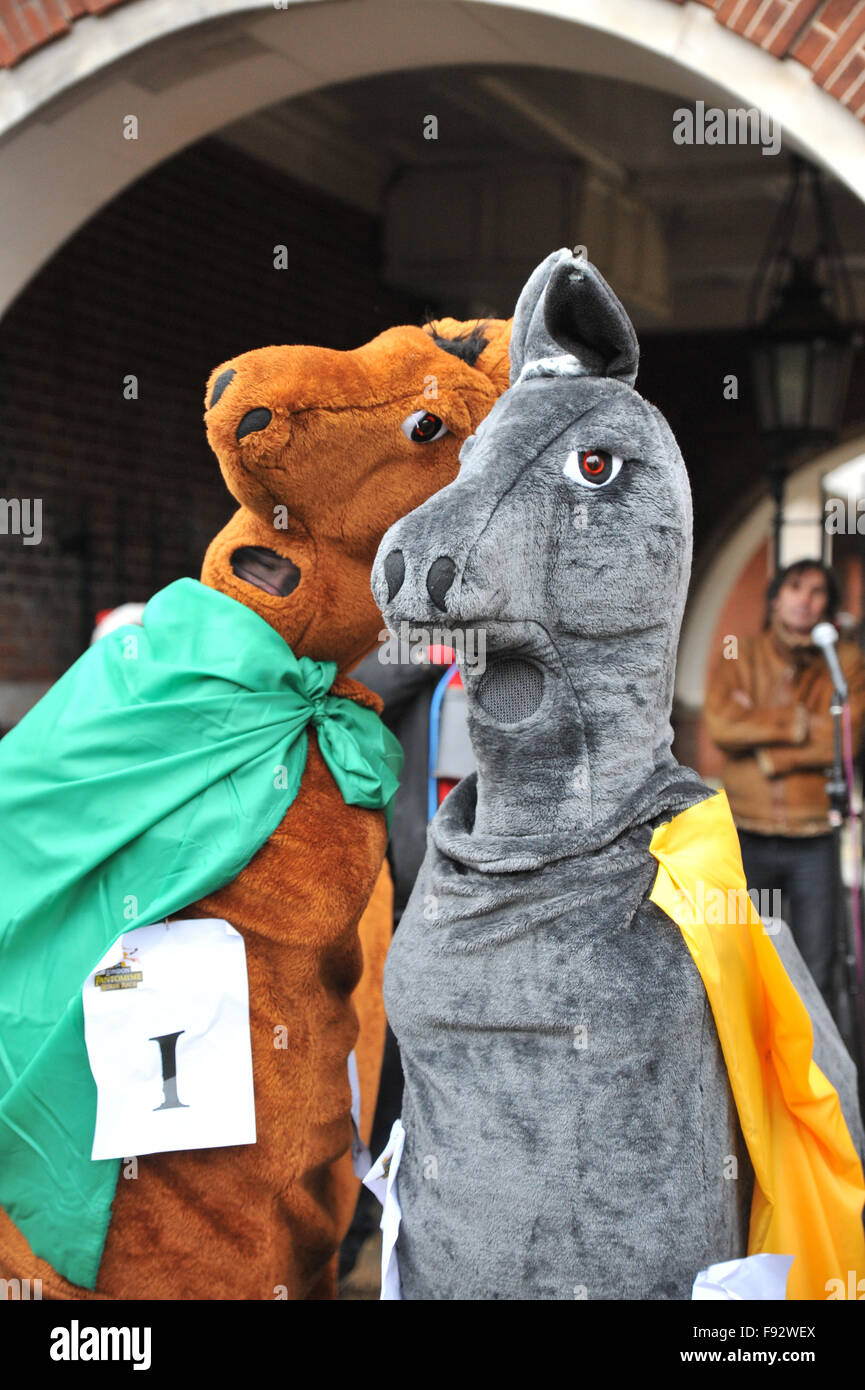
(570, 1128)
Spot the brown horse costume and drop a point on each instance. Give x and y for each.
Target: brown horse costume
(324, 450)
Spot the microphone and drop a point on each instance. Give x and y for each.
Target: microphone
(825, 637)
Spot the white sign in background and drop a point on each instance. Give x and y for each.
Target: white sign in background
(171, 1054)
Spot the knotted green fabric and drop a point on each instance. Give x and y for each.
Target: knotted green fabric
(147, 777)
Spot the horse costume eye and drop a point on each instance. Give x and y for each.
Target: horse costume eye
(422, 427)
(592, 467)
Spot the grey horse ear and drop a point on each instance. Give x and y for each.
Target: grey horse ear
(529, 337)
(584, 318)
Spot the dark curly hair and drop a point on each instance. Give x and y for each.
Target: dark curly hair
(833, 588)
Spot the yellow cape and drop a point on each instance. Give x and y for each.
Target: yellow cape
(809, 1188)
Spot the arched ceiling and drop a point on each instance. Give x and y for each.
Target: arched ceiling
(76, 68)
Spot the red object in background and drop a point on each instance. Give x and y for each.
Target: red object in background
(445, 785)
(440, 655)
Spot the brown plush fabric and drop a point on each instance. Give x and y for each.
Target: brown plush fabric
(333, 469)
(375, 932)
(318, 486)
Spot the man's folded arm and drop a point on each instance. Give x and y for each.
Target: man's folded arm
(818, 749)
(737, 726)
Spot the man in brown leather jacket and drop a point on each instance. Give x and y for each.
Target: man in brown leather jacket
(768, 709)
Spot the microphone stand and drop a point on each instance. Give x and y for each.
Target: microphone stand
(850, 1003)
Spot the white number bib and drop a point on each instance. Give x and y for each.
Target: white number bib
(166, 1022)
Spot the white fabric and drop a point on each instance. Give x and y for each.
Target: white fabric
(756, 1276)
(194, 984)
(563, 365)
(381, 1180)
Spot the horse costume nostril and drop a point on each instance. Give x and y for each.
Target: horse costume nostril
(394, 573)
(253, 420)
(439, 579)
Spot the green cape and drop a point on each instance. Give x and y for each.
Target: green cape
(147, 777)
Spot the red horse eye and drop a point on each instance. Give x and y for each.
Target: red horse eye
(592, 468)
(596, 465)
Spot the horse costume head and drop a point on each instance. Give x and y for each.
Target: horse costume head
(548, 922)
(566, 538)
(324, 450)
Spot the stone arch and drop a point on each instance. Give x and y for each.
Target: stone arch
(76, 68)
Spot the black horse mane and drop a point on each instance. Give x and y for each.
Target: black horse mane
(467, 346)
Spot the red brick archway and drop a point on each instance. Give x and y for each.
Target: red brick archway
(825, 36)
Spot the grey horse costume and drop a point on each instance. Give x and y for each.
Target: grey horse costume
(570, 1129)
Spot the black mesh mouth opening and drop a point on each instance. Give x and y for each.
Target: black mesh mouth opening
(510, 690)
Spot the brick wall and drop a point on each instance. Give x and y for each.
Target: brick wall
(171, 278)
(26, 25)
(833, 47)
